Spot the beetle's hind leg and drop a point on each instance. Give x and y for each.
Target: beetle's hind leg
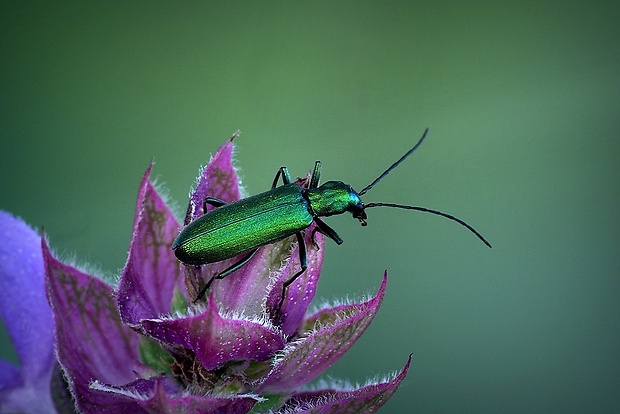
(212, 201)
(226, 272)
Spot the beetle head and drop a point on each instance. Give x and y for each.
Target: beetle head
(336, 197)
(360, 214)
(357, 208)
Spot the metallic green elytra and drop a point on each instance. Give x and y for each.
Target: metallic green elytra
(245, 225)
(237, 227)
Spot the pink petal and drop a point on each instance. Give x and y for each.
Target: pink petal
(218, 179)
(152, 272)
(92, 342)
(337, 330)
(367, 399)
(164, 396)
(216, 340)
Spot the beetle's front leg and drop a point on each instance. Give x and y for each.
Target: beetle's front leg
(326, 230)
(316, 174)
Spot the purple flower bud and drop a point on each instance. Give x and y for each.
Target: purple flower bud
(145, 346)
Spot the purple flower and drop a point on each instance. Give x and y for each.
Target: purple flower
(28, 319)
(145, 346)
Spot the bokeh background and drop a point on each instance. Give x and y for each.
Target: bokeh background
(523, 104)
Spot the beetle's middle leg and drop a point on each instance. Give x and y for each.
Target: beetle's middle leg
(225, 273)
(303, 261)
(286, 177)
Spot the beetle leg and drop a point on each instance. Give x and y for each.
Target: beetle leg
(212, 201)
(314, 243)
(226, 272)
(303, 261)
(236, 266)
(328, 231)
(188, 214)
(286, 177)
(202, 292)
(316, 174)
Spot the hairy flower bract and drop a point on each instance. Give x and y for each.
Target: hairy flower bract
(146, 345)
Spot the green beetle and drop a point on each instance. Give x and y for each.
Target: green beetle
(247, 224)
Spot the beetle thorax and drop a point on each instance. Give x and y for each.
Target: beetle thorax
(334, 197)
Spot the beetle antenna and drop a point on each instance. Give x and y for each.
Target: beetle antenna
(428, 210)
(401, 159)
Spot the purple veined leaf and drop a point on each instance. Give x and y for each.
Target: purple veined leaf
(92, 342)
(217, 340)
(366, 399)
(217, 179)
(152, 272)
(163, 395)
(333, 332)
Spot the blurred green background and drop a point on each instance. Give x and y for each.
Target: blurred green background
(523, 104)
